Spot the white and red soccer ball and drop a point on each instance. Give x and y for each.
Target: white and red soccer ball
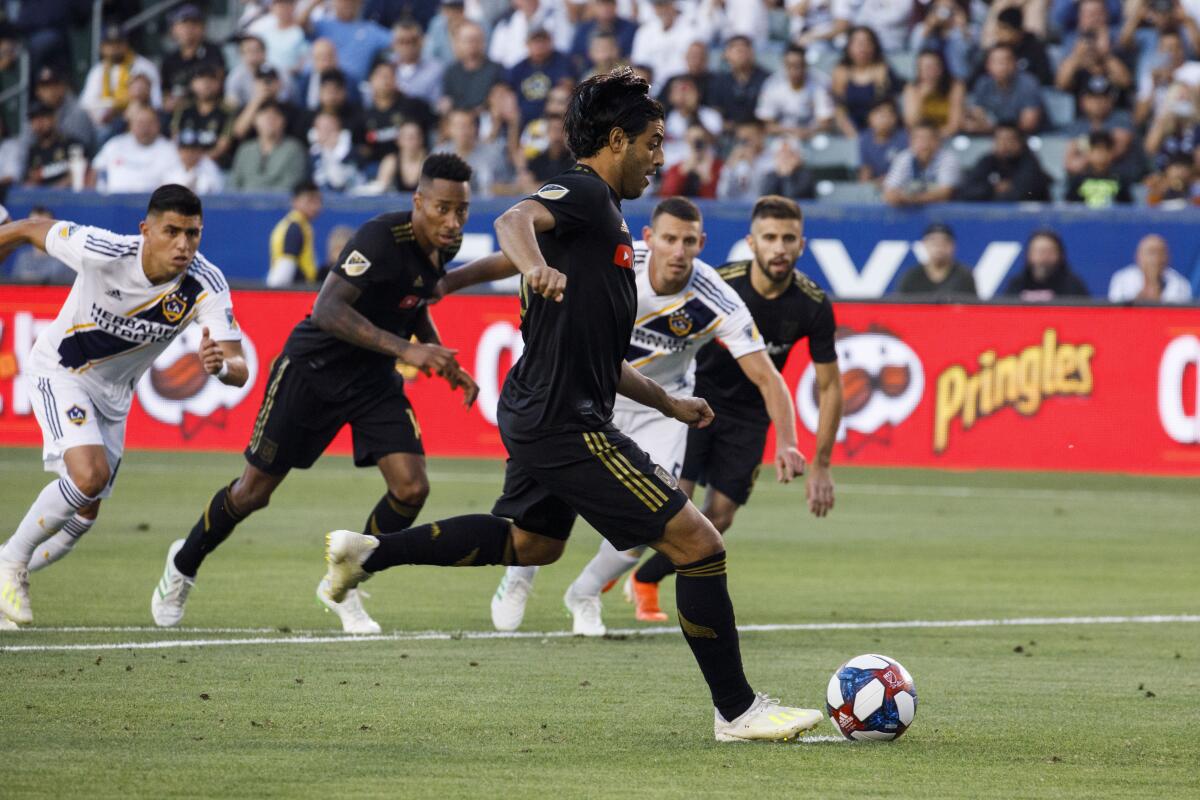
(871, 697)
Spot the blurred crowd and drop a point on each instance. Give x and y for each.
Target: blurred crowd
(1095, 102)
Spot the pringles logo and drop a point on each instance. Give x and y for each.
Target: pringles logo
(1021, 381)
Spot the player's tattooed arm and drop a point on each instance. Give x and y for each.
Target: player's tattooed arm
(490, 268)
(516, 232)
(789, 461)
(829, 417)
(334, 313)
(692, 411)
(24, 231)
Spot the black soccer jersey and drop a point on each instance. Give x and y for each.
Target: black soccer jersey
(397, 279)
(801, 311)
(566, 380)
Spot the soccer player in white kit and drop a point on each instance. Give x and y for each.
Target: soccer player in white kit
(133, 295)
(682, 305)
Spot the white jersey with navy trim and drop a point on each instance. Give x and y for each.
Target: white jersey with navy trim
(114, 322)
(670, 328)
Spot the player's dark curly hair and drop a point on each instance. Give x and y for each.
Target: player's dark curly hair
(618, 99)
(178, 199)
(446, 166)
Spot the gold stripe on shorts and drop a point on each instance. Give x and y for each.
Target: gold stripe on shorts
(604, 451)
(269, 401)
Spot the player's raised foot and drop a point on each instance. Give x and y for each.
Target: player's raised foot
(508, 603)
(585, 613)
(766, 721)
(645, 600)
(345, 551)
(350, 611)
(14, 592)
(171, 593)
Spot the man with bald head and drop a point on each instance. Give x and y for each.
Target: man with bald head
(468, 80)
(1150, 279)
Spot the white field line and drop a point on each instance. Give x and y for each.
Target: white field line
(418, 636)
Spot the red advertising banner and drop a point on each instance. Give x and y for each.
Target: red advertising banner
(961, 387)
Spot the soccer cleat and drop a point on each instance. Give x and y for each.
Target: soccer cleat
(7, 624)
(166, 603)
(345, 551)
(766, 721)
(354, 617)
(508, 603)
(14, 592)
(585, 613)
(645, 600)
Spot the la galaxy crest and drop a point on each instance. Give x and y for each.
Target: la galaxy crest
(680, 323)
(76, 415)
(174, 307)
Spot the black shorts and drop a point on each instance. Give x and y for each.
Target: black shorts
(603, 477)
(297, 421)
(725, 456)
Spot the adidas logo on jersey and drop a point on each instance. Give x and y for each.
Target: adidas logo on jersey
(115, 294)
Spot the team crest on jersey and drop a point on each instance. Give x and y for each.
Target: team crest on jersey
(665, 477)
(552, 191)
(680, 323)
(67, 231)
(76, 415)
(233, 326)
(174, 307)
(356, 264)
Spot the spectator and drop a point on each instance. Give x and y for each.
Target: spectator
(292, 249)
(491, 171)
(51, 90)
(510, 36)
(322, 58)
(684, 112)
(602, 20)
(1099, 185)
(789, 176)
(283, 37)
(748, 165)
(196, 170)
(400, 170)
(1146, 22)
(603, 56)
(10, 74)
(1008, 174)
(1156, 75)
(358, 41)
(466, 82)
(1046, 274)
(697, 173)
(267, 87)
(205, 121)
(31, 265)
(1098, 105)
(252, 57)
(272, 161)
(12, 164)
(794, 103)
(418, 76)
(1176, 187)
(924, 173)
(1007, 23)
(554, 160)
(500, 123)
(140, 92)
(533, 77)
(938, 274)
(43, 26)
(138, 161)
(334, 98)
(889, 19)
(1090, 52)
(106, 90)
(442, 30)
(1069, 16)
(695, 61)
(1003, 94)
(945, 29)
(48, 159)
(388, 12)
(735, 93)
(662, 39)
(884, 139)
(934, 95)
(535, 137)
(861, 78)
(335, 243)
(1149, 279)
(1176, 127)
(386, 111)
(814, 24)
(192, 50)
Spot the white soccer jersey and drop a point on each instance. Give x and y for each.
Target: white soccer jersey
(671, 328)
(114, 322)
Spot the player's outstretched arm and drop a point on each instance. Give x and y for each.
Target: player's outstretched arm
(829, 406)
(789, 461)
(490, 268)
(516, 232)
(24, 231)
(334, 313)
(224, 359)
(692, 411)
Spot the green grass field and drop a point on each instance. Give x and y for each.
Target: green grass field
(296, 710)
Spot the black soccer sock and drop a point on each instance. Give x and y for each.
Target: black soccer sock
(655, 568)
(706, 616)
(473, 540)
(390, 515)
(214, 526)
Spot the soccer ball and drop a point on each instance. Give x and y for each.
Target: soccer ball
(871, 697)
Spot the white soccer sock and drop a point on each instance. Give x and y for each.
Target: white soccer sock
(527, 573)
(608, 564)
(56, 504)
(60, 543)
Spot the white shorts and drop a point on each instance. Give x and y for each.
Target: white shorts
(69, 418)
(664, 439)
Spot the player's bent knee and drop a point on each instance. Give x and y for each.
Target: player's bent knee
(90, 478)
(90, 511)
(412, 492)
(534, 549)
(689, 537)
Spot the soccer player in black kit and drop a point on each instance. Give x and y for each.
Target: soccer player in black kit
(725, 456)
(338, 367)
(578, 302)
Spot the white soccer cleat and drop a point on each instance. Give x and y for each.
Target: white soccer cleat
(7, 624)
(585, 613)
(167, 601)
(354, 617)
(766, 721)
(508, 603)
(345, 551)
(14, 592)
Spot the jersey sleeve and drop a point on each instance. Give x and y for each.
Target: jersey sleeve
(293, 240)
(821, 339)
(215, 308)
(736, 330)
(371, 257)
(572, 200)
(82, 247)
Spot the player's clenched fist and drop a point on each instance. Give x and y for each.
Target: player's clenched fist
(692, 411)
(547, 282)
(211, 355)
